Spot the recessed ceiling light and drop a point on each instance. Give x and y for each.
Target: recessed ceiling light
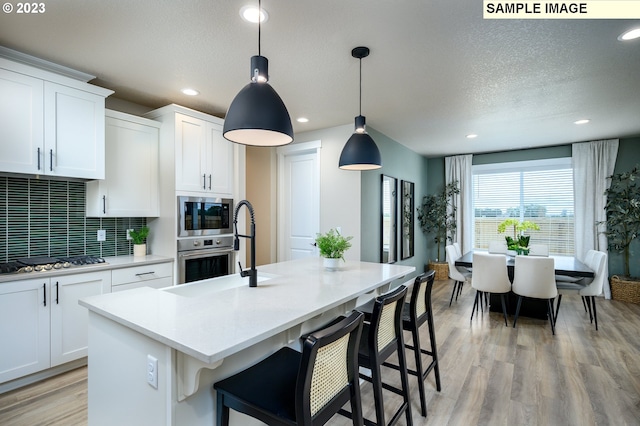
(584, 121)
(629, 35)
(302, 120)
(250, 14)
(471, 136)
(190, 92)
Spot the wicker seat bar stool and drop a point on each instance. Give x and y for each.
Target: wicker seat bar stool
(293, 388)
(381, 338)
(417, 312)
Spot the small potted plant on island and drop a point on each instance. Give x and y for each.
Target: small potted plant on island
(519, 242)
(623, 227)
(332, 246)
(139, 239)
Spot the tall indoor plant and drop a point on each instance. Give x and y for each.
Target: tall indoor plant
(623, 213)
(437, 217)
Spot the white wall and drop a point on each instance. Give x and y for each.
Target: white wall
(339, 189)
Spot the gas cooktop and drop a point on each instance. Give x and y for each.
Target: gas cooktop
(44, 263)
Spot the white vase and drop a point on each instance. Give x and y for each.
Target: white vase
(139, 250)
(331, 264)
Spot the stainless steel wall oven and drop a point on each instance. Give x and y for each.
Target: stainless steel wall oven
(204, 216)
(203, 258)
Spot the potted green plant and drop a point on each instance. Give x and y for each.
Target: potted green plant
(519, 242)
(139, 239)
(622, 228)
(332, 246)
(437, 217)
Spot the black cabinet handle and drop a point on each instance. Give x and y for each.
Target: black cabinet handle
(44, 291)
(209, 182)
(145, 273)
(204, 181)
(51, 160)
(104, 204)
(57, 300)
(38, 158)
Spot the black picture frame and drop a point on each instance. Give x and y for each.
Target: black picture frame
(388, 219)
(408, 219)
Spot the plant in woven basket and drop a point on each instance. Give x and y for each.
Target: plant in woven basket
(623, 213)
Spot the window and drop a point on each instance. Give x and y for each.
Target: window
(540, 191)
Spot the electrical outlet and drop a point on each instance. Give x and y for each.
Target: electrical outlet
(152, 371)
(102, 235)
(129, 235)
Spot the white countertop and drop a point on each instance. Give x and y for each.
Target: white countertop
(112, 262)
(211, 325)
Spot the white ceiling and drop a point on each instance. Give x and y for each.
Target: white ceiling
(437, 71)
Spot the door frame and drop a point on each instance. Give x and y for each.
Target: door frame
(312, 147)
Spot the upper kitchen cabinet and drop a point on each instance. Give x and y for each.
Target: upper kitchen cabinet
(203, 159)
(52, 124)
(130, 187)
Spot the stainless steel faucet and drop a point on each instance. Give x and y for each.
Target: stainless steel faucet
(253, 272)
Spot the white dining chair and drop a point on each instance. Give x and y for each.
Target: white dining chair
(534, 277)
(597, 261)
(498, 247)
(538, 250)
(458, 275)
(490, 276)
(458, 249)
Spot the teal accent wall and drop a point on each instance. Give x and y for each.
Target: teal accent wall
(628, 157)
(47, 218)
(403, 164)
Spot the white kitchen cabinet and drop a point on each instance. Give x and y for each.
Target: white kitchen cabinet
(41, 323)
(21, 121)
(204, 158)
(158, 275)
(24, 328)
(52, 124)
(130, 187)
(69, 320)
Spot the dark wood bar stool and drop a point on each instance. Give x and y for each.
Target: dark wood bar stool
(381, 338)
(293, 388)
(416, 313)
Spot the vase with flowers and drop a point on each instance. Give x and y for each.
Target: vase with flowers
(519, 242)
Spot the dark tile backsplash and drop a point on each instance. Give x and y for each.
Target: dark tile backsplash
(47, 218)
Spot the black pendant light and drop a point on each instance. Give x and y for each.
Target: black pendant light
(360, 151)
(257, 116)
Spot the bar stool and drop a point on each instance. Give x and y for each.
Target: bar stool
(381, 338)
(417, 312)
(293, 388)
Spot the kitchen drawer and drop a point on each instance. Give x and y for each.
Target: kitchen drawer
(140, 274)
(153, 283)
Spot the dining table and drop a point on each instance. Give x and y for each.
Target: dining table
(565, 266)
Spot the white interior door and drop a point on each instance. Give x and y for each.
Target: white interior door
(299, 200)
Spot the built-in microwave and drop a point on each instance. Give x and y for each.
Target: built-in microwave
(204, 216)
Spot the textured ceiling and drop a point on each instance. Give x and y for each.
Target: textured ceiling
(437, 71)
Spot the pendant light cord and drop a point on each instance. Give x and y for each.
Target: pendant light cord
(259, 20)
(360, 113)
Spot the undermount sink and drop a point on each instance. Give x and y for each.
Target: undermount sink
(214, 285)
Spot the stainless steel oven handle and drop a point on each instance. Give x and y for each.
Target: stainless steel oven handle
(202, 253)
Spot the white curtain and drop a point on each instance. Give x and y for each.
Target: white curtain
(593, 163)
(458, 168)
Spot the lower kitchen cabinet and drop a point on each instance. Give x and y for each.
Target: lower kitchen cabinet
(157, 275)
(41, 323)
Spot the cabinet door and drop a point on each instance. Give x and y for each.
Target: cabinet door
(21, 121)
(220, 177)
(24, 328)
(191, 154)
(130, 187)
(73, 132)
(69, 320)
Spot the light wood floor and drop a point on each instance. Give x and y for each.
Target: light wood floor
(491, 374)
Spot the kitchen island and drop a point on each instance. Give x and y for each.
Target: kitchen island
(201, 332)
